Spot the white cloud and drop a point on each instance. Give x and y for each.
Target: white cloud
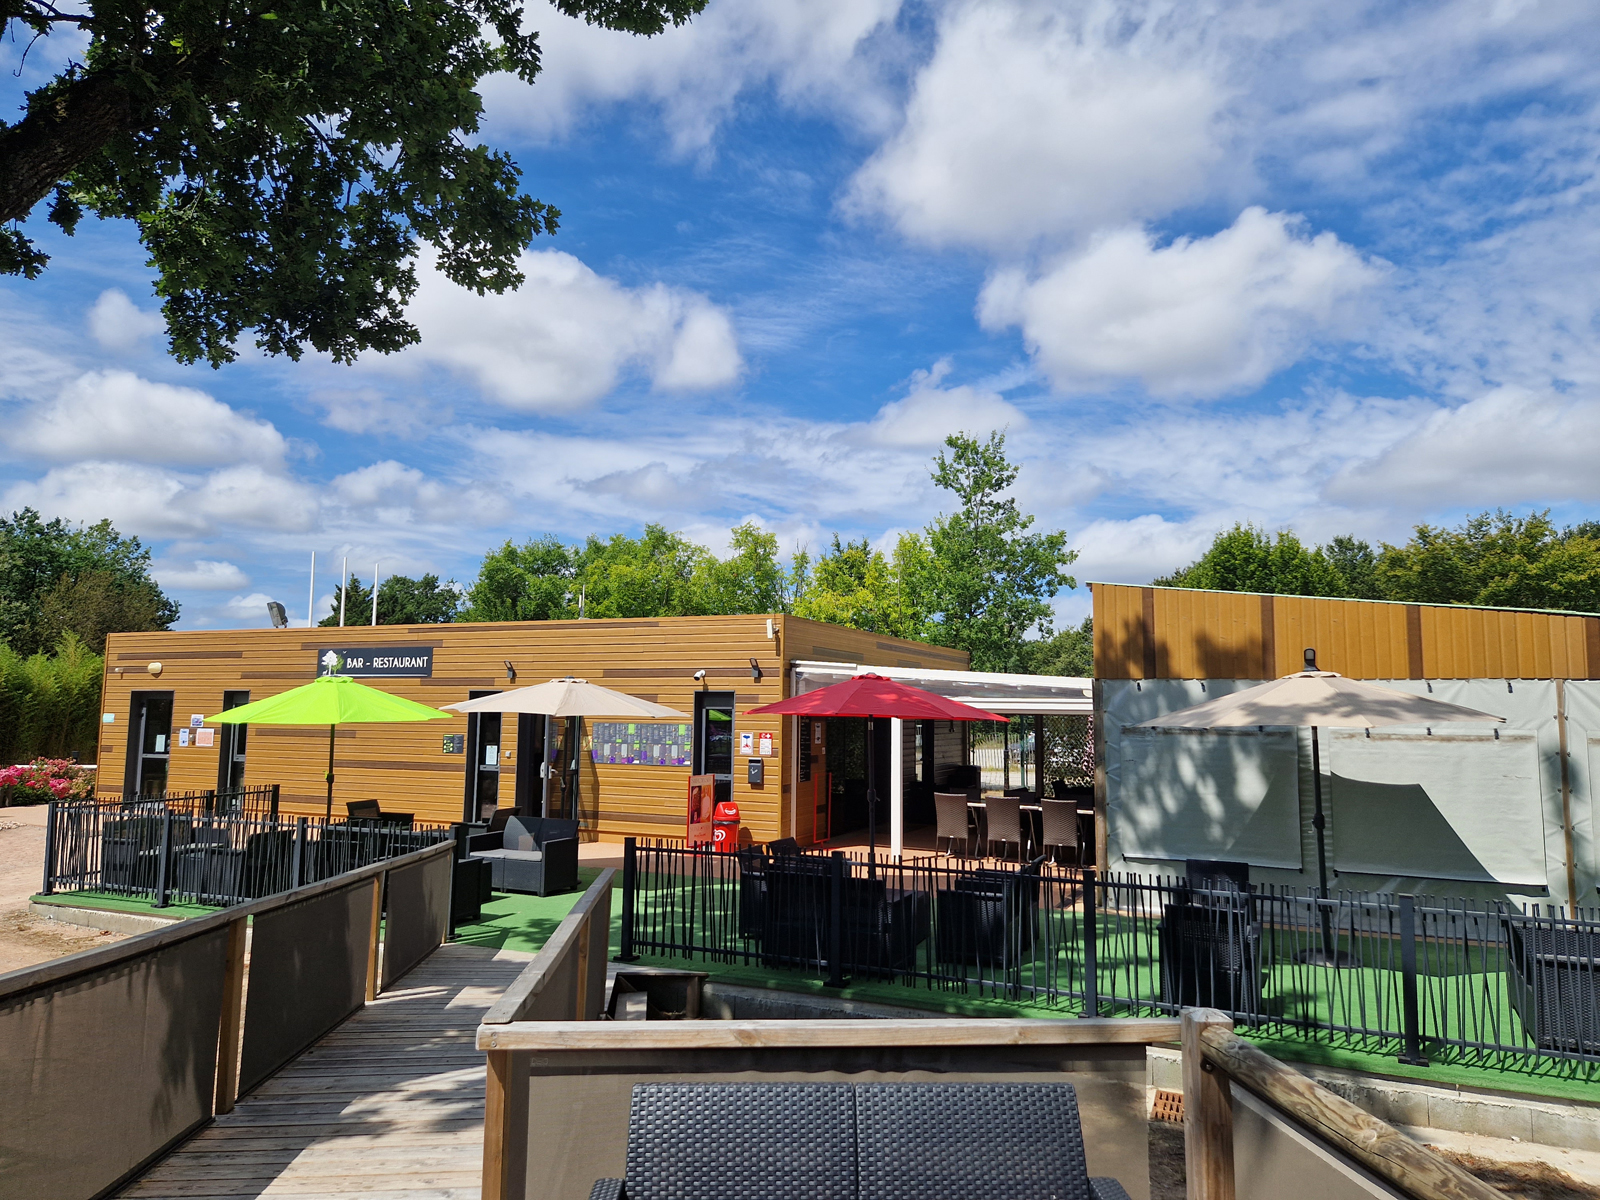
(1200, 315)
(1030, 123)
(118, 415)
(931, 412)
(205, 575)
(1510, 446)
(390, 492)
(118, 324)
(151, 502)
(252, 610)
(565, 337)
(816, 54)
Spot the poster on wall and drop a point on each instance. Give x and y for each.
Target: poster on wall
(639, 743)
(702, 803)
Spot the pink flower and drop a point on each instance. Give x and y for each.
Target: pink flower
(60, 787)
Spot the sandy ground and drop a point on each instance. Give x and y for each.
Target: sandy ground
(26, 940)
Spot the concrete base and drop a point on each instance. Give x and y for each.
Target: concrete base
(99, 918)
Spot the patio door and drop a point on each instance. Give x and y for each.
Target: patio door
(561, 767)
(149, 744)
(483, 762)
(230, 754)
(713, 740)
(531, 768)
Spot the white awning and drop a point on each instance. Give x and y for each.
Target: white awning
(996, 691)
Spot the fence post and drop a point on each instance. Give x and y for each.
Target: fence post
(1091, 939)
(163, 880)
(836, 922)
(1207, 1112)
(297, 858)
(630, 880)
(372, 935)
(1412, 1055)
(275, 788)
(232, 1020)
(49, 848)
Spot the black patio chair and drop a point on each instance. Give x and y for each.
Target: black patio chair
(1553, 969)
(531, 854)
(1059, 826)
(1211, 954)
(989, 918)
(840, 1141)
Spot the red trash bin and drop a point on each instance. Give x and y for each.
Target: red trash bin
(725, 828)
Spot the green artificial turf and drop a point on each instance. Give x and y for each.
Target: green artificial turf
(514, 921)
(108, 902)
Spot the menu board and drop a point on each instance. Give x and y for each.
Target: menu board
(640, 743)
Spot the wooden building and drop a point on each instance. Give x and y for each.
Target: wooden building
(1486, 812)
(159, 687)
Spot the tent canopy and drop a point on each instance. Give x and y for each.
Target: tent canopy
(570, 697)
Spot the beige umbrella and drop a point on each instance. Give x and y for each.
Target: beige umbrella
(570, 697)
(1315, 698)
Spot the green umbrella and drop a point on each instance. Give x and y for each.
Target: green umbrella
(330, 700)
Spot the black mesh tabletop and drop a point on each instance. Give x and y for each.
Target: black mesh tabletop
(974, 1141)
(741, 1141)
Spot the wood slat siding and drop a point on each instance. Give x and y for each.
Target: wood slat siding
(404, 767)
(1181, 633)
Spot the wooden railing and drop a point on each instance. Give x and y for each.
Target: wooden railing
(110, 1058)
(1213, 1055)
(565, 982)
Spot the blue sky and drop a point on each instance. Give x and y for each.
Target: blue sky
(1334, 270)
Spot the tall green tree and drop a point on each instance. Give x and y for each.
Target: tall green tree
(401, 601)
(50, 703)
(859, 587)
(56, 578)
(1246, 559)
(985, 580)
(648, 576)
(1069, 652)
(749, 580)
(1496, 559)
(284, 162)
(529, 582)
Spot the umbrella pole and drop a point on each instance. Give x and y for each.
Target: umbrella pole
(872, 803)
(328, 810)
(1319, 823)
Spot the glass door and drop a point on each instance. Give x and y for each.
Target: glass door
(713, 739)
(561, 768)
(483, 762)
(149, 746)
(230, 755)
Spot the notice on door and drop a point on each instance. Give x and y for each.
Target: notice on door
(392, 662)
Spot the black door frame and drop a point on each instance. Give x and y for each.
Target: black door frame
(469, 796)
(704, 700)
(231, 737)
(133, 771)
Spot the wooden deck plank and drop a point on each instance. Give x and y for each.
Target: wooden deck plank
(388, 1106)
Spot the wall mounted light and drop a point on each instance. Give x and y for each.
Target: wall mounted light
(511, 672)
(154, 668)
(755, 670)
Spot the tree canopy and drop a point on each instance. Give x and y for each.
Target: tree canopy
(57, 578)
(985, 580)
(285, 161)
(976, 579)
(1495, 559)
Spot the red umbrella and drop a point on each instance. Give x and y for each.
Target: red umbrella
(874, 696)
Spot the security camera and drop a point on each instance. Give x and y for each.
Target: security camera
(700, 676)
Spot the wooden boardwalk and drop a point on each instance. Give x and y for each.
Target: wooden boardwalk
(389, 1106)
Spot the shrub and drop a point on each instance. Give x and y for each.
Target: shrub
(43, 780)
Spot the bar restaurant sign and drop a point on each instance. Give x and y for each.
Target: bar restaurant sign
(391, 662)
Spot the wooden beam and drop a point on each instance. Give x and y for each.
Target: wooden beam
(1207, 1111)
(580, 1005)
(821, 1034)
(232, 1019)
(1382, 1149)
(497, 1132)
(372, 938)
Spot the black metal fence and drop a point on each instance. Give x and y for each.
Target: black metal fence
(1413, 976)
(254, 801)
(182, 849)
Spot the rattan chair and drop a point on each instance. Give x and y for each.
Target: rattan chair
(953, 820)
(840, 1141)
(1060, 826)
(1004, 816)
